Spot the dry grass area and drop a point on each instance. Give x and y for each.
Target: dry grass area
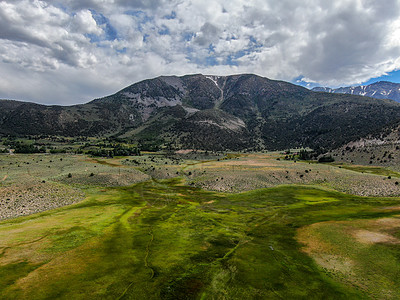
(28, 198)
(253, 171)
(34, 183)
(39, 182)
(111, 178)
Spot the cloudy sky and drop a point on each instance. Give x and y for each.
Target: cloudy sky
(72, 51)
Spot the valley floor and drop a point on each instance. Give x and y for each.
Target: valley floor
(235, 226)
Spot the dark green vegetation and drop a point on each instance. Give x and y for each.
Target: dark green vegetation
(210, 112)
(102, 147)
(162, 239)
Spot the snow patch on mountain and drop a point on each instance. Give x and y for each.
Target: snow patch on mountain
(379, 90)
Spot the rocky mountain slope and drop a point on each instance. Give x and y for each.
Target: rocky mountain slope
(210, 112)
(379, 90)
(381, 149)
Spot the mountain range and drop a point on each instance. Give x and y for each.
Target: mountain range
(379, 90)
(210, 112)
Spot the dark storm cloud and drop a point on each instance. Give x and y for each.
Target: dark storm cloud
(207, 35)
(143, 4)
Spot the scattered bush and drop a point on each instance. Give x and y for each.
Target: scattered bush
(326, 159)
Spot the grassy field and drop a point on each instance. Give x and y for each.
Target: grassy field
(179, 227)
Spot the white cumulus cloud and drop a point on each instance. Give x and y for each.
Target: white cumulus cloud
(71, 51)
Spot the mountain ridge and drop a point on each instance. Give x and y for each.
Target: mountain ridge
(236, 112)
(378, 90)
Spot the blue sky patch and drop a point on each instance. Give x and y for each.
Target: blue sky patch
(109, 31)
(232, 59)
(188, 36)
(170, 16)
(211, 61)
(122, 51)
(141, 17)
(299, 81)
(164, 31)
(392, 76)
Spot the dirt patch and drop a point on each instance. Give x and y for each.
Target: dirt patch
(335, 263)
(184, 151)
(373, 237)
(250, 162)
(388, 223)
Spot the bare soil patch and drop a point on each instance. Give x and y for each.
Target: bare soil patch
(372, 237)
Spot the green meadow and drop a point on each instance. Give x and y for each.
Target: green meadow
(168, 239)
